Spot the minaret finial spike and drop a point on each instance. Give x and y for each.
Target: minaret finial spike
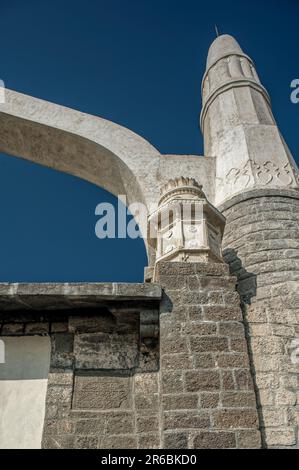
(216, 29)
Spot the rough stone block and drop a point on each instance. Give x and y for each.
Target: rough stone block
(175, 440)
(230, 360)
(64, 342)
(231, 418)
(285, 436)
(176, 361)
(37, 328)
(274, 417)
(221, 313)
(238, 399)
(214, 440)
(227, 380)
(204, 361)
(12, 329)
(146, 424)
(86, 442)
(146, 383)
(146, 403)
(239, 345)
(102, 392)
(179, 402)
(61, 377)
(174, 345)
(172, 381)
(243, 379)
(202, 380)
(118, 442)
(231, 329)
(60, 395)
(186, 420)
(199, 328)
(248, 439)
(206, 344)
(91, 426)
(59, 327)
(209, 400)
(106, 351)
(120, 423)
(149, 441)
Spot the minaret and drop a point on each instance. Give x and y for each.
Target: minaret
(257, 192)
(238, 125)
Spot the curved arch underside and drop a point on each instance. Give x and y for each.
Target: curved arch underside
(94, 149)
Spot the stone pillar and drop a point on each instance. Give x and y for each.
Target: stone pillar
(207, 398)
(207, 394)
(261, 246)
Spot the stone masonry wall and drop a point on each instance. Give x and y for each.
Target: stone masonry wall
(103, 381)
(207, 395)
(153, 374)
(261, 244)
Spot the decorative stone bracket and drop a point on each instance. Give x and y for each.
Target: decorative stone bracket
(186, 227)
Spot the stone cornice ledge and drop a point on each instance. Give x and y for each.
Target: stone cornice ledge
(54, 296)
(255, 193)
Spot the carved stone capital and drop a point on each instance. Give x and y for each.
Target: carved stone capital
(186, 227)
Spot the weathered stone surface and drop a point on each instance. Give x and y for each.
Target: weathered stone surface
(230, 418)
(118, 442)
(63, 342)
(206, 344)
(106, 351)
(172, 381)
(248, 439)
(179, 402)
(202, 380)
(120, 423)
(86, 442)
(270, 302)
(175, 440)
(149, 441)
(146, 424)
(215, 440)
(238, 399)
(88, 427)
(209, 400)
(222, 313)
(285, 436)
(59, 327)
(147, 403)
(146, 383)
(102, 392)
(176, 361)
(204, 362)
(12, 329)
(76, 295)
(37, 328)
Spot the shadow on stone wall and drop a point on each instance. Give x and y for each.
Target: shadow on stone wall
(246, 287)
(246, 281)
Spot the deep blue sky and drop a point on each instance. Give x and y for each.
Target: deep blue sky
(140, 64)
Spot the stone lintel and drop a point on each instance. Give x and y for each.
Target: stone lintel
(57, 296)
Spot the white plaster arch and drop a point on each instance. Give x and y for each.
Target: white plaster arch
(94, 149)
(83, 145)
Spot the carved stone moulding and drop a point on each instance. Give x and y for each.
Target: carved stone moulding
(186, 227)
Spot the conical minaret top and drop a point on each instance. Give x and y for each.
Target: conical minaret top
(223, 46)
(238, 125)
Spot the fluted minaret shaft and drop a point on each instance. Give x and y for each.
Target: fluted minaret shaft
(238, 125)
(257, 192)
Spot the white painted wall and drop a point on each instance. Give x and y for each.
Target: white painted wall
(23, 386)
